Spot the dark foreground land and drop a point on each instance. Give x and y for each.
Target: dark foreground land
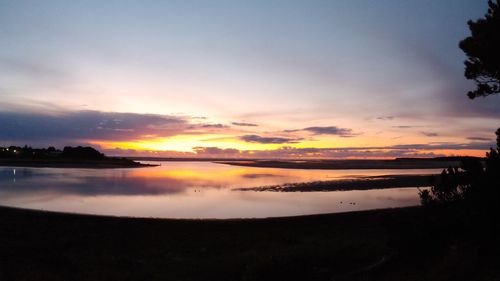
(395, 244)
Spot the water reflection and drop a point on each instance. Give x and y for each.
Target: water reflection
(188, 189)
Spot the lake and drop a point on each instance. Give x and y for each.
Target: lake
(192, 190)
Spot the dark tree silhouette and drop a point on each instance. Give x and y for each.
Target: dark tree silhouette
(81, 153)
(483, 51)
(476, 184)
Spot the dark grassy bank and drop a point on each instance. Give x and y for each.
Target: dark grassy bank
(398, 244)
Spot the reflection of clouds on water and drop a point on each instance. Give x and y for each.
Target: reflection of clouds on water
(256, 176)
(40, 181)
(151, 181)
(95, 182)
(189, 190)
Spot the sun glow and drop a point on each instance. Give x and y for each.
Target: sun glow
(186, 143)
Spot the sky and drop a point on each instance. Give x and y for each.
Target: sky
(256, 79)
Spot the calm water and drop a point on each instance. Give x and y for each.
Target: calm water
(191, 190)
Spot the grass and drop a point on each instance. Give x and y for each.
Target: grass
(393, 244)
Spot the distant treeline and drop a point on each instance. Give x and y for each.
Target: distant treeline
(26, 152)
(444, 158)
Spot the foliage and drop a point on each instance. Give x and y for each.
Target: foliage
(475, 183)
(483, 51)
(81, 153)
(26, 152)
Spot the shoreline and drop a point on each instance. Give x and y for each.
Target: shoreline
(348, 164)
(4, 208)
(86, 164)
(326, 164)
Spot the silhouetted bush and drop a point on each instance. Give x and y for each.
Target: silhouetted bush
(474, 184)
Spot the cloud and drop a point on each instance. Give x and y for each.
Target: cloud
(444, 146)
(330, 130)
(386, 117)
(405, 127)
(146, 153)
(208, 126)
(215, 151)
(407, 150)
(244, 124)
(479, 139)
(287, 152)
(268, 140)
(429, 134)
(327, 130)
(312, 153)
(77, 126)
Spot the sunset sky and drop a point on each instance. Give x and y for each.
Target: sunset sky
(262, 78)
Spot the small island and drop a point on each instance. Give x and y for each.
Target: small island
(69, 157)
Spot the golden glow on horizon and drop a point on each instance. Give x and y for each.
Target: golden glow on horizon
(187, 143)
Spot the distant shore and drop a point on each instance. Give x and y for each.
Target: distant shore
(108, 163)
(69, 157)
(327, 164)
(399, 163)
